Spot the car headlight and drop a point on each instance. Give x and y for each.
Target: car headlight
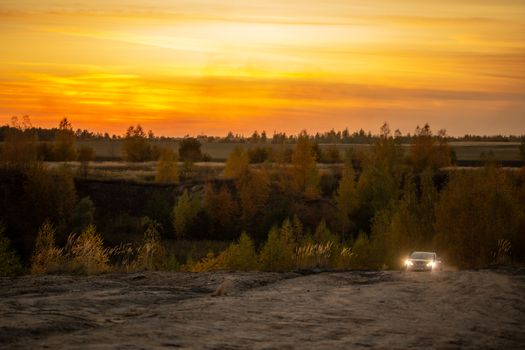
(431, 264)
(408, 263)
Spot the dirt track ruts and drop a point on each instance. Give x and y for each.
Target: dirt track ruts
(444, 310)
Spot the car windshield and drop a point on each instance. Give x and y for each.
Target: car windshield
(422, 255)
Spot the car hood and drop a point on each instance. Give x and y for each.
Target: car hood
(420, 260)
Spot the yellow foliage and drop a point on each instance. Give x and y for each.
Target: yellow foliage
(305, 176)
(151, 253)
(87, 252)
(241, 255)
(46, 256)
(237, 163)
(167, 169)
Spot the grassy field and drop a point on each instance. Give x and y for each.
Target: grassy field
(465, 151)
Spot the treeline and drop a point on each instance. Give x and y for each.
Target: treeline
(370, 214)
(332, 136)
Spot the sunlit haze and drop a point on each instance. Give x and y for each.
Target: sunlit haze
(210, 66)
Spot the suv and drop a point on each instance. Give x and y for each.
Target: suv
(423, 261)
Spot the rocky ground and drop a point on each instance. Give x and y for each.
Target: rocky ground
(391, 310)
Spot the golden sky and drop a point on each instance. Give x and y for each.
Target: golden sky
(186, 67)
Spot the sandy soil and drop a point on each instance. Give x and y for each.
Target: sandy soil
(445, 310)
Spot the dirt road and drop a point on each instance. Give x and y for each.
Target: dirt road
(444, 310)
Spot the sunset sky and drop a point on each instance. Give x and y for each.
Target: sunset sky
(186, 67)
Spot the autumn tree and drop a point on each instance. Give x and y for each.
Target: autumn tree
(167, 169)
(184, 213)
(47, 257)
(428, 150)
(237, 163)
(190, 150)
(254, 190)
(378, 185)
(136, 146)
(278, 253)
(241, 255)
(305, 176)
(19, 149)
(346, 197)
(51, 194)
(221, 208)
(477, 208)
(64, 144)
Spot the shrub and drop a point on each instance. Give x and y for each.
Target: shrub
(310, 255)
(278, 253)
(9, 262)
(361, 252)
(208, 263)
(241, 255)
(151, 253)
(46, 257)
(87, 252)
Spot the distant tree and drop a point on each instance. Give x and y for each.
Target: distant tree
(305, 175)
(331, 155)
(83, 215)
(264, 137)
(190, 150)
(259, 154)
(184, 213)
(9, 262)
(167, 168)
(237, 163)
(86, 154)
(428, 150)
(19, 149)
(136, 146)
(64, 145)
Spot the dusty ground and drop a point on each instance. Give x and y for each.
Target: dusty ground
(445, 310)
